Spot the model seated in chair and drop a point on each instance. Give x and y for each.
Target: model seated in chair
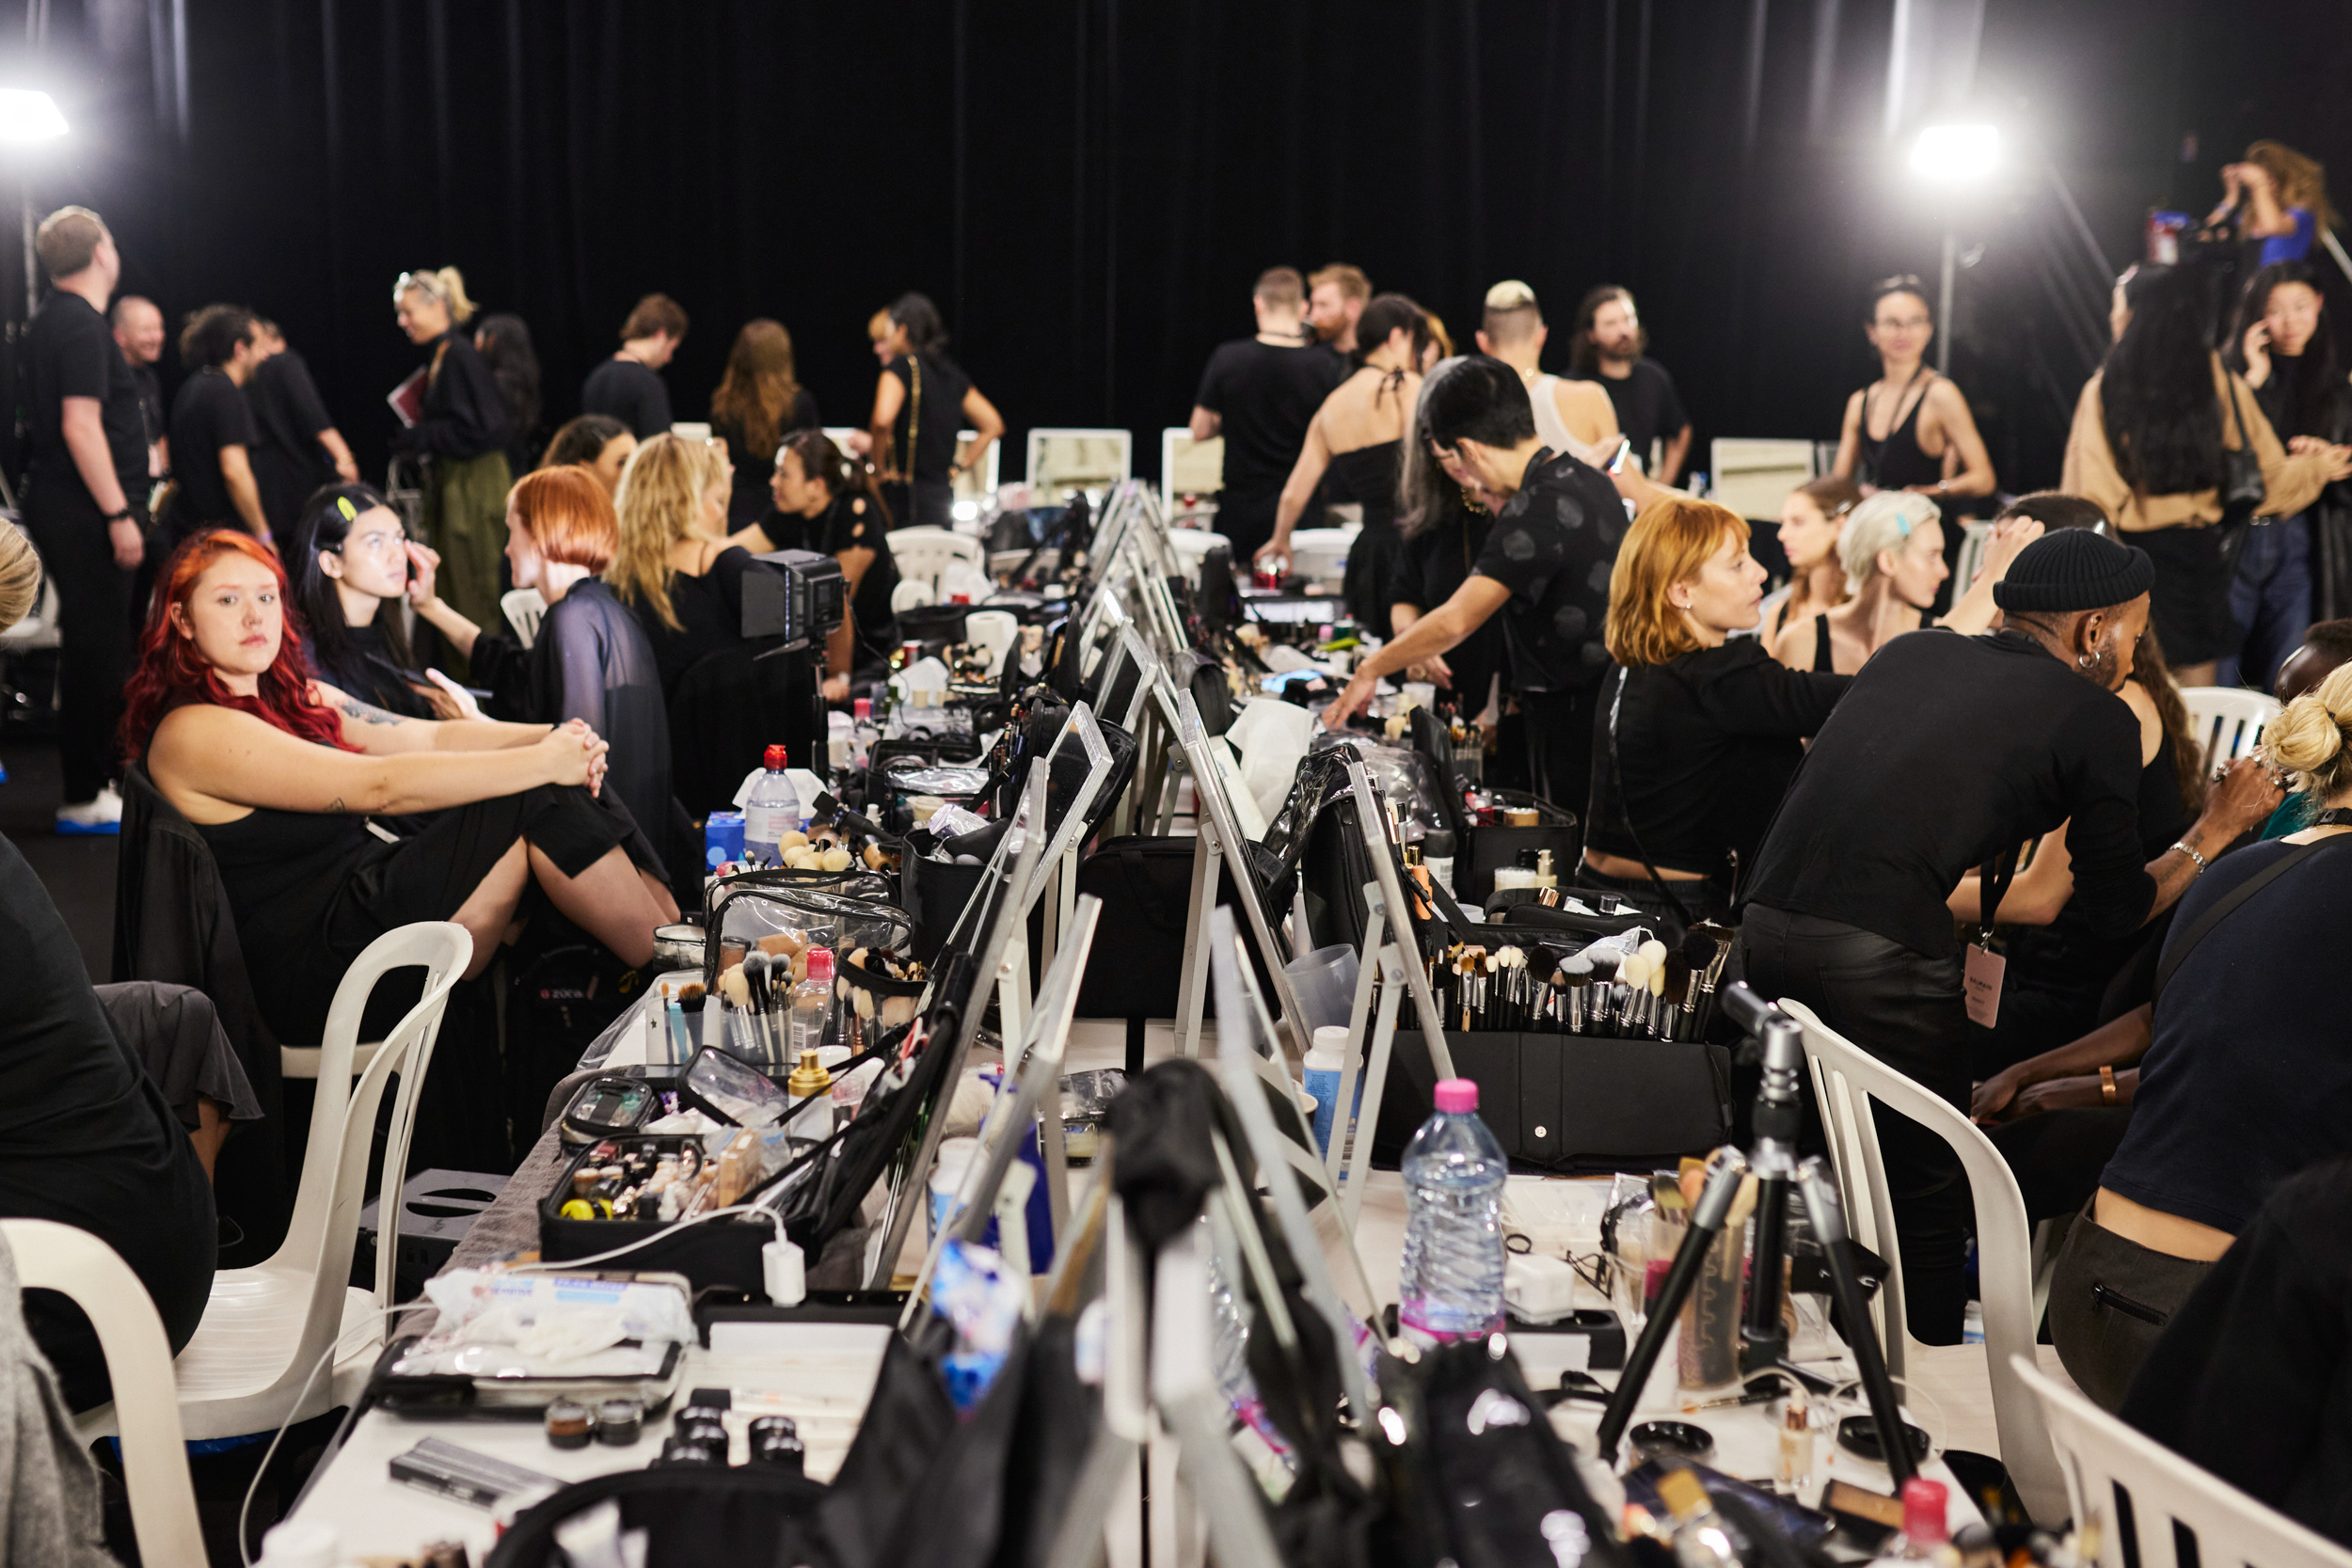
(279, 771)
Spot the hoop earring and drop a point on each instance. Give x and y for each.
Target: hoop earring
(2083, 661)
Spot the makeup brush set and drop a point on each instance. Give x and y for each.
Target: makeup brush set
(1630, 986)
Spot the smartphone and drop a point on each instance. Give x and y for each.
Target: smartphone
(1616, 461)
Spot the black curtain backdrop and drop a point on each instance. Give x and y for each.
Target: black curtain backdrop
(1087, 187)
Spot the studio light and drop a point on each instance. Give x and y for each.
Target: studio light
(26, 116)
(1954, 154)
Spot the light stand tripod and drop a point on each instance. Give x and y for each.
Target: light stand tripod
(1765, 1345)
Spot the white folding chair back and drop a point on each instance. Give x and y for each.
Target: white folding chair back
(524, 608)
(2228, 720)
(2110, 1467)
(1972, 551)
(88, 1273)
(268, 1327)
(1846, 1079)
(927, 554)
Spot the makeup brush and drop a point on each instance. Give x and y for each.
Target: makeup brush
(1712, 975)
(1673, 997)
(1576, 972)
(1698, 951)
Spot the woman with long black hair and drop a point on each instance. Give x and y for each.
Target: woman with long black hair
(1357, 438)
(350, 572)
(2151, 432)
(2285, 345)
(504, 343)
(920, 402)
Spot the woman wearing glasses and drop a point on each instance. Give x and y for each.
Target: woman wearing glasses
(462, 428)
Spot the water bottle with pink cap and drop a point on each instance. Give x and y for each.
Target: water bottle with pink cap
(1450, 1285)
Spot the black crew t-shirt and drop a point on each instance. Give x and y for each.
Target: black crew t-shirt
(1553, 545)
(1944, 750)
(71, 352)
(1648, 407)
(626, 390)
(210, 413)
(1266, 396)
(1707, 743)
(2247, 1078)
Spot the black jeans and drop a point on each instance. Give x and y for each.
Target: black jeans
(1560, 748)
(1906, 1010)
(94, 633)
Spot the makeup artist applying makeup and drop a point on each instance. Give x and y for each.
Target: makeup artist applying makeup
(1946, 753)
(2245, 1076)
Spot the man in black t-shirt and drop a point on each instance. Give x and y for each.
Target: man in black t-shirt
(1607, 349)
(1544, 568)
(212, 427)
(138, 324)
(627, 387)
(86, 484)
(1261, 393)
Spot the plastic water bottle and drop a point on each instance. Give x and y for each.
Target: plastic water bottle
(1450, 1285)
(773, 811)
(1229, 1332)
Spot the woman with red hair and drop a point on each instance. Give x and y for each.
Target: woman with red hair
(589, 660)
(279, 771)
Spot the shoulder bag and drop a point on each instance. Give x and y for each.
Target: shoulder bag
(2243, 488)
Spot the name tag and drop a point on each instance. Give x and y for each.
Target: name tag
(1981, 982)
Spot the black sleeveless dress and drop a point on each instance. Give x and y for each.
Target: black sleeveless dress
(1897, 463)
(1368, 476)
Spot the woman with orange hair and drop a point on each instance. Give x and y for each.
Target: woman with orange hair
(279, 771)
(589, 659)
(1696, 736)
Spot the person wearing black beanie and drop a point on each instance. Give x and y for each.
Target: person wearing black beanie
(1946, 753)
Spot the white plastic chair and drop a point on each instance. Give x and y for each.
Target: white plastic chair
(2109, 1465)
(524, 608)
(929, 553)
(266, 1328)
(87, 1272)
(2228, 720)
(1846, 1079)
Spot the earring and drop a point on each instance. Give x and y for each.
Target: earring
(2083, 661)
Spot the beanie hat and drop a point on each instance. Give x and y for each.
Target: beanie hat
(2074, 569)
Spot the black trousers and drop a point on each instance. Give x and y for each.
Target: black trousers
(1560, 747)
(94, 634)
(1906, 1010)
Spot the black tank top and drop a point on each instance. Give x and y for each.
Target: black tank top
(1823, 663)
(1369, 475)
(1897, 463)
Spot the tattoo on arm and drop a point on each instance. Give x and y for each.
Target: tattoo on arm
(367, 713)
(336, 805)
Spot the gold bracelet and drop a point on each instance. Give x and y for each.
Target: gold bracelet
(2107, 1087)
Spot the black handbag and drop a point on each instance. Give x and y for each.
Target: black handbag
(2243, 489)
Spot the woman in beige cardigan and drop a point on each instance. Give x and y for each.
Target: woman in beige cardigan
(2151, 430)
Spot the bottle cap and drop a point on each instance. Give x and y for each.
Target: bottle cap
(1456, 1096)
(820, 963)
(809, 1078)
(1923, 1512)
(1525, 860)
(773, 759)
(862, 709)
(1437, 844)
(1329, 1049)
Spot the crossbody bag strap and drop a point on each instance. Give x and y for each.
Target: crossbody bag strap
(2227, 904)
(1625, 807)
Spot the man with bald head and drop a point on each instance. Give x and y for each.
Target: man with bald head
(139, 324)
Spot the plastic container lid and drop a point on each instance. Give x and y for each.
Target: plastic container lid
(1437, 844)
(1329, 1049)
(820, 963)
(1923, 1512)
(1456, 1096)
(773, 759)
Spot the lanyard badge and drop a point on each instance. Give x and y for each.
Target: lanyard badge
(1981, 978)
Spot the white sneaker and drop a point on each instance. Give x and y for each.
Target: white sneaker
(100, 816)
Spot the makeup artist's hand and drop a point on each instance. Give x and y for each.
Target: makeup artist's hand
(2243, 797)
(422, 560)
(1350, 702)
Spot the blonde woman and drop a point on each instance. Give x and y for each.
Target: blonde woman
(1892, 550)
(676, 569)
(461, 431)
(759, 402)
